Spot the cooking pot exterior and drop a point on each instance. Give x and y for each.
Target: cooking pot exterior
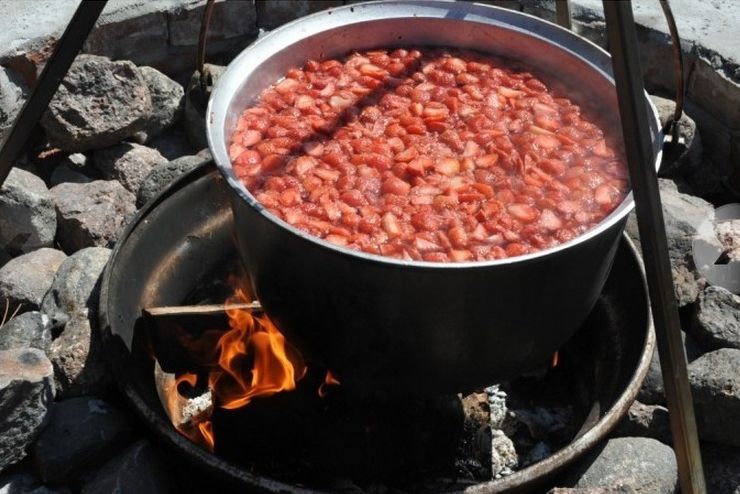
(390, 325)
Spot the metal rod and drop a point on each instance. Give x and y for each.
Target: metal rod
(633, 112)
(54, 71)
(562, 13)
(678, 62)
(200, 61)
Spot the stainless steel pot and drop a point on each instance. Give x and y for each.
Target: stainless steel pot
(391, 325)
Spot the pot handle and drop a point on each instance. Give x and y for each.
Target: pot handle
(671, 127)
(200, 60)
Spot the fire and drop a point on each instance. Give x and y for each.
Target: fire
(555, 359)
(190, 416)
(250, 360)
(329, 380)
(255, 345)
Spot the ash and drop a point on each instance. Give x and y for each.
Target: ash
(505, 432)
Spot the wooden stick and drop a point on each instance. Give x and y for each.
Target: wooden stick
(199, 310)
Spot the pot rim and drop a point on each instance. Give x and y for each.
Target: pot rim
(292, 32)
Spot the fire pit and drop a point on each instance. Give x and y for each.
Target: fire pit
(180, 250)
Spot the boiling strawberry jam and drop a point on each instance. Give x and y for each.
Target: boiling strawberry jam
(427, 154)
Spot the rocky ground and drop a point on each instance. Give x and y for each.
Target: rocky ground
(65, 428)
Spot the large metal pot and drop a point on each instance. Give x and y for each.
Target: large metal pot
(385, 324)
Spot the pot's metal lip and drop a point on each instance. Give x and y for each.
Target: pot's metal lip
(379, 10)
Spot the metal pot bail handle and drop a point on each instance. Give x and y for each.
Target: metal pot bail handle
(671, 127)
(200, 60)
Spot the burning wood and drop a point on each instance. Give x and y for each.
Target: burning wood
(190, 415)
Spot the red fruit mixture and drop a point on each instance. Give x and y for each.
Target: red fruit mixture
(434, 155)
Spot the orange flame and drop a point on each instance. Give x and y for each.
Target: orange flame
(329, 380)
(555, 359)
(199, 432)
(254, 359)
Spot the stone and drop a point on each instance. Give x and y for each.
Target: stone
(168, 99)
(275, 13)
(140, 469)
(26, 397)
(128, 163)
(82, 433)
(159, 178)
(715, 387)
(642, 464)
(684, 155)
(92, 214)
(172, 144)
(27, 217)
(63, 174)
(229, 20)
(76, 168)
(593, 490)
(76, 286)
(646, 421)
(99, 103)
(79, 363)
(683, 215)
(13, 94)
(721, 468)
(195, 104)
(717, 319)
(652, 391)
(23, 483)
(26, 279)
(27, 330)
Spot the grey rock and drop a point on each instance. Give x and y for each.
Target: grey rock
(76, 286)
(75, 168)
(99, 103)
(715, 387)
(139, 469)
(63, 174)
(195, 104)
(28, 330)
(684, 155)
(652, 391)
(26, 397)
(275, 13)
(26, 279)
(172, 144)
(17, 483)
(622, 489)
(683, 215)
(645, 465)
(128, 163)
(646, 421)
(82, 433)
(92, 214)
(159, 178)
(717, 319)
(27, 217)
(721, 468)
(80, 367)
(230, 20)
(23, 483)
(168, 99)
(13, 94)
